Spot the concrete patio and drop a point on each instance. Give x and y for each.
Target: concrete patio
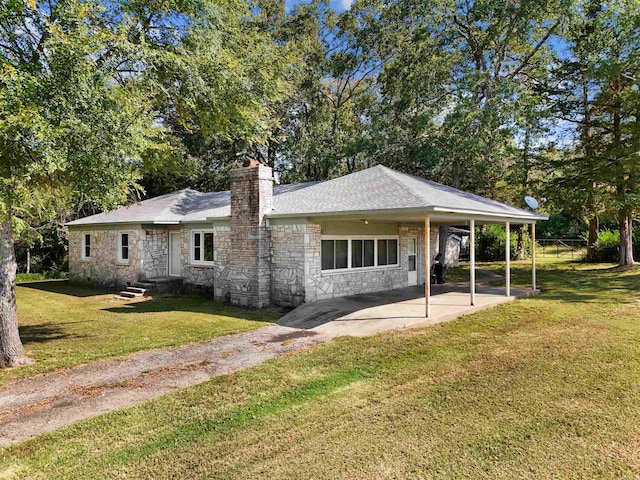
(373, 313)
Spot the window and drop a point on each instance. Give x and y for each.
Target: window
(355, 253)
(335, 254)
(123, 248)
(362, 253)
(387, 252)
(85, 252)
(202, 247)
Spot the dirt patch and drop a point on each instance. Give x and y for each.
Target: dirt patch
(289, 337)
(40, 404)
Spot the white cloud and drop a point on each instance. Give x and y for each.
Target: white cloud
(345, 4)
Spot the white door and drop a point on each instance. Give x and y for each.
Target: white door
(412, 259)
(174, 254)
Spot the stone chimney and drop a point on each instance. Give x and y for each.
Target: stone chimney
(251, 200)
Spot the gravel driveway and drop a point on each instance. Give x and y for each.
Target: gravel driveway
(36, 405)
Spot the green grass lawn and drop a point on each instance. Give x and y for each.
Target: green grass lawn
(546, 387)
(62, 324)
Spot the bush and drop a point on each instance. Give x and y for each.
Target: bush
(607, 247)
(490, 244)
(35, 277)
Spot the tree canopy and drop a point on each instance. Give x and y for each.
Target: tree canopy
(102, 103)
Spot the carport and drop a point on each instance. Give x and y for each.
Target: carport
(473, 219)
(347, 209)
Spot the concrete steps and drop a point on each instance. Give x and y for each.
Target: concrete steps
(148, 286)
(131, 292)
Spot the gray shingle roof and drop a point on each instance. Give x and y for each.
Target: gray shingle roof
(184, 206)
(374, 189)
(382, 189)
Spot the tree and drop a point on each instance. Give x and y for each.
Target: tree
(217, 89)
(595, 88)
(72, 117)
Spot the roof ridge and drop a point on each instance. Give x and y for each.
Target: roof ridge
(390, 173)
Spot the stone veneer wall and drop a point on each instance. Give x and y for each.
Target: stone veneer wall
(288, 243)
(213, 279)
(294, 253)
(102, 268)
(319, 286)
(155, 244)
(418, 231)
(251, 200)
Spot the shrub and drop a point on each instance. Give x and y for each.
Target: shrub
(34, 277)
(607, 247)
(490, 244)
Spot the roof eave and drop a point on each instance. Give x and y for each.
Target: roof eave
(523, 216)
(90, 224)
(527, 218)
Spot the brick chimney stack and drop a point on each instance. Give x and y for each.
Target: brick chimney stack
(251, 200)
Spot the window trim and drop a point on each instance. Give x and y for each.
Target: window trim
(192, 248)
(349, 239)
(123, 261)
(83, 247)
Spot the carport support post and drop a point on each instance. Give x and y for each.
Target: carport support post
(507, 258)
(533, 255)
(427, 266)
(472, 258)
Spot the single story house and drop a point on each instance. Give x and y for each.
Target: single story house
(260, 244)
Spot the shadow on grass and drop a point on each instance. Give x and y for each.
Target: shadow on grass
(594, 285)
(63, 287)
(46, 332)
(193, 303)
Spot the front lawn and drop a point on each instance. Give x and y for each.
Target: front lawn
(546, 387)
(62, 324)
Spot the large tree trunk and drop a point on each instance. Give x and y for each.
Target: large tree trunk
(626, 239)
(12, 352)
(593, 235)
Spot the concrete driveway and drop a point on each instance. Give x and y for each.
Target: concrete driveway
(372, 313)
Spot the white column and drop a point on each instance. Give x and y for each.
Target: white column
(533, 255)
(472, 257)
(427, 266)
(507, 258)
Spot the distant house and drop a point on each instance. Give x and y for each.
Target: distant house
(261, 244)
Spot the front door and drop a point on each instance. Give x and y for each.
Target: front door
(174, 254)
(412, 260)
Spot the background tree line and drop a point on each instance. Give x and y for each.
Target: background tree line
(104, 103)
